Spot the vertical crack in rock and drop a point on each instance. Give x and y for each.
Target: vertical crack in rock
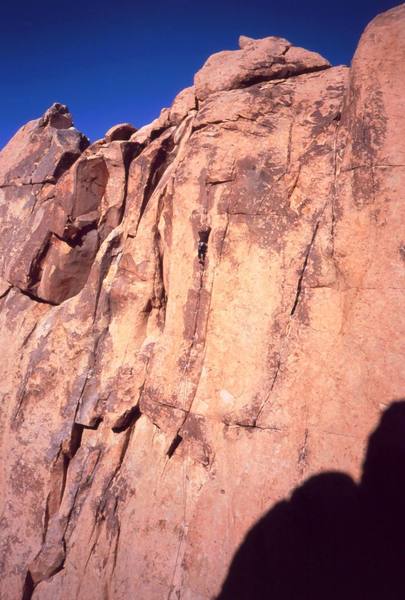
(304, 266)
(18, 415)
(159, 166)
(108, 494)
(334, 184)
(117, 535)
(174, 445)
(28, 587)
(51, 558)
(68, 455)
(159, 300)
(29, 335)
(67, 161)
(130, 416)
(202, 267)
(125, 444)
(221, 250)
(36, 267)
(203, 241)
(129, 154)
(127, 419)
(105, 265)
(273, 383)
(303, 453)
(161, 161)
(166, 162)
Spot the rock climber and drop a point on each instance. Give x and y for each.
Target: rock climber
(203, 244)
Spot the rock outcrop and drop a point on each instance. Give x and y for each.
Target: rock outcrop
(196, 316)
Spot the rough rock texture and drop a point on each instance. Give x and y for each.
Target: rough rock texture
(122, 131)
(196, 316)
(256, 61)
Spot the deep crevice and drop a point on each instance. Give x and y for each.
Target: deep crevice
(46, 517)
(158, 166)
(159, 299)
(74, 237)
(75, 439)
(157, 133)
(104, 494)
(28, 588)
(130, 152)
(74, 445)
(174, 445)
(105, 265)
(285, 74)
(66, 161)
(6, 292)
(94, 423)
(127, 419)
(35, 298)
(34, 273)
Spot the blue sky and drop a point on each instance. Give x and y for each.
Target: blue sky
(120, 60)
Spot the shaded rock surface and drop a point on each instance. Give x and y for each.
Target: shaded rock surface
(196, 316)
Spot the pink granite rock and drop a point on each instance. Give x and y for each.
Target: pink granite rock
(256, 61)
(123, 131)
(196, 320)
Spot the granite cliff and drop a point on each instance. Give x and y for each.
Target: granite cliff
(197, 316)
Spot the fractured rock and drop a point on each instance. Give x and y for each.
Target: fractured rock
(160, 396)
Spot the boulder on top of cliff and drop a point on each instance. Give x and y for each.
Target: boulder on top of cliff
(256, 61)
(57, 116)
(42, 149)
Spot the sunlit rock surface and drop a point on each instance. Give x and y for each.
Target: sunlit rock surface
(196, 316)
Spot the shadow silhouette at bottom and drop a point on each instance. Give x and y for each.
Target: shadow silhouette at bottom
(333, 539)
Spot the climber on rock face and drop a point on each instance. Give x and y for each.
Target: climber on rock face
(202, 250)
(203, 244)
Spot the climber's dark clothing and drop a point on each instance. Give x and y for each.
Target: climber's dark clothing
(202, 250)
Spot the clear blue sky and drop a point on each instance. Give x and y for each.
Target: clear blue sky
(120, 60)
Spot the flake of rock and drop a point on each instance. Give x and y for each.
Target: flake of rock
(145, 134)
(123, 131)
(182, 104)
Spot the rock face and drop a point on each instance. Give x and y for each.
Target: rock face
(256, 61)
(197, 316)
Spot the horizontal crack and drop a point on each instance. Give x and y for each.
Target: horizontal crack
(26, 183)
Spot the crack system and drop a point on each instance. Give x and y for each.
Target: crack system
(302, 272)
(125, 423)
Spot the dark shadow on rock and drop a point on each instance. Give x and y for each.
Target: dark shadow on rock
(333, 539)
